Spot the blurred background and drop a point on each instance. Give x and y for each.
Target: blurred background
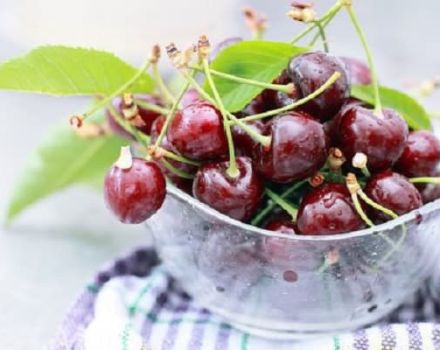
(53, 249)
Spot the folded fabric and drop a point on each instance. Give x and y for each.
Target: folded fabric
(134, 305)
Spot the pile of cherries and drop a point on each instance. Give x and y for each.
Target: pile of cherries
(302, 149)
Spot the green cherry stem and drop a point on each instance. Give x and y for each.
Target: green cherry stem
(360, 210)
(363, 39)
(425, 180)
(179, 158)
(165, 92)
(271, 205)
(324, 23)
(170, 114)
(123, 88)
(174, 170)
(289, 208)
(376, 205)
(232, 170)
(335, 76)
(329, 14)
(321, 33)
(264, 140)
(286, 88)
(150, 106)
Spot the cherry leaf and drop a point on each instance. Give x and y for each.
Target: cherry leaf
(61, 71)
(258, 60)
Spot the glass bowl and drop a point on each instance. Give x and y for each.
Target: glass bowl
(292, 287)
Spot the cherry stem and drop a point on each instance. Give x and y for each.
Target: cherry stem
(123, 88)
(335, 76)
(271, 205)
(360, 211)
(264, 140)
(232, 170)
(165, 92)
(286, 88)
(321, 33)
(179, 158)
(289, 208)
(425, 180)
(151, 107)
(175, 171)
(329, 14)
(323, 22)
(170, 114)
(363, 39)
(376, 205)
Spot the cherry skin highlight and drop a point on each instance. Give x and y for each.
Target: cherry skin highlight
(237, 197)
(309, 72)
(135, 194)
(297, 150)
(381, 138)
(393, 191)
(420, 156)
(358, 72)
(197, 132)
(328, 210)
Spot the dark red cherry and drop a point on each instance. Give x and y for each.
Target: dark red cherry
(394, 192)
(327, 210)
(256, 106)
(237, 197)
(381, 138)
(358, 72)
(244, 144)
(180, 182)
(197, 132)
(136, 193)
(277, 99)
(310, 71)
(430, 193)
(190, 97)
(147, 116)
(420, 156)
(281, 224)
(297, 150)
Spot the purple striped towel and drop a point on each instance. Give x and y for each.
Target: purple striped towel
(135, 305)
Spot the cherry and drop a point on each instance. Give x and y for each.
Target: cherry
(297, 150)
(180, 182)
(358, 72)
(381, 138)
(244, 144)
(420, 156)
(237, 197)
(190, 97)
(147, 116)
(197, 132)
(327, 209)
(256, 106)
(394, 192)
(277, 99)
(430, 193)
(135, 194)
(311, 70)
(281, 224)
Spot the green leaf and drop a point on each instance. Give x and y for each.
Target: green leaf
(414, 114)
(60, 70)
(257, 60)
(64, 159)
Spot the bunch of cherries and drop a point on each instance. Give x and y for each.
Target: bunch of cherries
(333, 164)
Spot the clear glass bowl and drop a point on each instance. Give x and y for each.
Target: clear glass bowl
(293, 286)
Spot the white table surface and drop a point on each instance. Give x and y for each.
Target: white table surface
(53, 249)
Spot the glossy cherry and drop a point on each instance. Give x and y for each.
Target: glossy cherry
(197, 132)
(297, 150)
(245, 144)
(327, 210)
(420, 156)
(135, 194)
(182, 183)
(148, 116)
(237, 197)
(394, 192)
(310, 71)
(281, 224)
(381, 138)
(277, 99)
(358, 72)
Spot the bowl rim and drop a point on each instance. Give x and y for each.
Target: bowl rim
(389, 225)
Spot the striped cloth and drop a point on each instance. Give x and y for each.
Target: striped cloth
(134, 305)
